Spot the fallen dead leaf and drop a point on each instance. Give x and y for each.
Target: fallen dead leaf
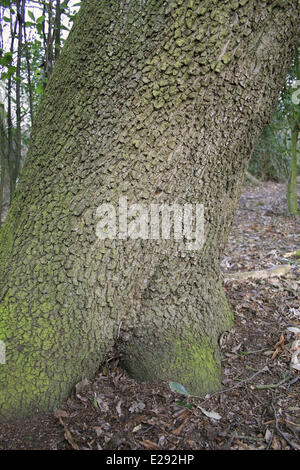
(118, 407)
(137, 406)
(177, 431)
(61, 414)
(279, 345)
(149, 445)
(137, 428)
(210, 414)
(69, 438)
(295, 362)
(241, 444)
(276, 443)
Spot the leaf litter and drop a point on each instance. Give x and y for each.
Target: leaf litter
(258, 405)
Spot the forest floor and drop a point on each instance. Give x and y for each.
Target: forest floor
(258, 406)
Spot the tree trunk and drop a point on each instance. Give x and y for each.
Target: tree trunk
(294, 119)
(5, 178)
(292, 193)
(159, 102)
(57, 29)
(18, 153)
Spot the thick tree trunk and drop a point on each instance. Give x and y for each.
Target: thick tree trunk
(159, 102)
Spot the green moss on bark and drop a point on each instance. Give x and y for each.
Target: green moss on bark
(187, 358)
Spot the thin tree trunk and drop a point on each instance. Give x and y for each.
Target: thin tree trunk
(2, 143)
(57, 29)
(5, 180)
(292, 193)
(155, 102)
(11, 147)
(3, 148)
(27, 56)
(49, 41)
(4, 175)
(18, 153)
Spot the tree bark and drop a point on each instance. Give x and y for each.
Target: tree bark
(159, 102)
(57, 29)
(294, 119)
(5, 178)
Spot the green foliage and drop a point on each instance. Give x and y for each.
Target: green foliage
(271, 159)
(175, 387)
(32, 33)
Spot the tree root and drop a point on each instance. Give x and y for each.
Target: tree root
(262, 274)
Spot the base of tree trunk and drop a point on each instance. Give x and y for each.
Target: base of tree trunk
(186, 352)
(192, 361)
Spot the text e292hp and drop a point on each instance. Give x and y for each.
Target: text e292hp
(170, 459)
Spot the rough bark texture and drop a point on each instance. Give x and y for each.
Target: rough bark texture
(158, 101)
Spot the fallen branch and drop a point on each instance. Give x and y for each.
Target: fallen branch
(67, 435)
(262, 386)
(283, 434)
(262, 274)
(292, 254)
(252, 179)
(240, 384)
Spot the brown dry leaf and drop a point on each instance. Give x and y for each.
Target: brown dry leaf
(68, 435)
(61, 414)
(276, 443)
(98, 430)
(278, 345)
(241, 444)
(281, 342)
(149, 445)
(182, 414)
(135, 421)
(275, 353)
(179, 429)
(69, 438)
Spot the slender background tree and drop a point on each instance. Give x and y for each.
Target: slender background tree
(276, 156)
(32, 34)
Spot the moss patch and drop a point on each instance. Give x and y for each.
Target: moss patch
(191, 359)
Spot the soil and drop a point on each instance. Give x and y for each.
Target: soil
(258, 406)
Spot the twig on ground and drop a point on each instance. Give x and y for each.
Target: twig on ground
(246, 353)
(262, 274)
(264, 369)
(282, 434)
(262, 386)
(230, 441)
